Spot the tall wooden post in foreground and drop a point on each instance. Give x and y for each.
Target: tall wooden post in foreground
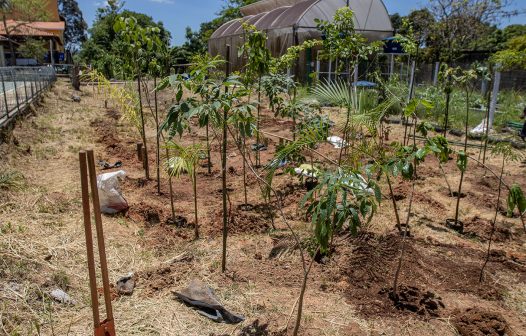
(87, 168)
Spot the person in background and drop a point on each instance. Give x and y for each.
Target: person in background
(522, 134)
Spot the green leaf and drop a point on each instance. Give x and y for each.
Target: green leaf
(462, 161)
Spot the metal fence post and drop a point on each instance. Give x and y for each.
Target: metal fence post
(25, 88)
(5, 95)
(31, 84)
(16, 92)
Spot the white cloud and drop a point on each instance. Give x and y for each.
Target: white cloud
(101, 3)
(167, 2)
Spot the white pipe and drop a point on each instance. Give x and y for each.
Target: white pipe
(494, 98)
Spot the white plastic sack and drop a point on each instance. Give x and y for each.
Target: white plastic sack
(480, 129)
(110, 195)
(336, 141)
(307, 170)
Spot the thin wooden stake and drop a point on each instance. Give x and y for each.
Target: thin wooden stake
(89, 238)
(100, 235)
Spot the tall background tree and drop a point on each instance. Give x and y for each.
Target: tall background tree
(76, 26)
(197, 41)
(104, 48)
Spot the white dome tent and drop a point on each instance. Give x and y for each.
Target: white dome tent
(291, 22)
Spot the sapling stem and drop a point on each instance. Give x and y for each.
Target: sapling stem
(404, 237)
(143, 131)
(395, 207)
(493, 224)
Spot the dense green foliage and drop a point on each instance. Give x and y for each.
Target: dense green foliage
(105, 48)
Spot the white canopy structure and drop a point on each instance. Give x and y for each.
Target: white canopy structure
(290, 22)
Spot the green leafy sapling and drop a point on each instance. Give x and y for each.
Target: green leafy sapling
(341, 41)
(141, 42)
(258, 60)
(465, 78)
(515, 197)
(343, 197)
(184, 160)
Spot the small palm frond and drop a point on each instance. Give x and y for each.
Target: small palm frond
(176, 166)
(371, 118)
(182, 159)
(336, 92)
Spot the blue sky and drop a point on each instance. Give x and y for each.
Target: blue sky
(178, 14)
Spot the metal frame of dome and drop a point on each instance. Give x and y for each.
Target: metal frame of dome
(292, 23)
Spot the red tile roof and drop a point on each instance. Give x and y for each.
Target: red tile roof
(19, 28)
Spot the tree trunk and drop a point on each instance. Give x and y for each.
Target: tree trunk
(194, 184)
(243, 148)
(345, 134)
(445, 179)
(258, 159)
(302, 295)
(493, 223)
(143, 130)
(158, 141)
(395, 207)
(404, 237)
(223, 178)
(209, 161)
(486, 133)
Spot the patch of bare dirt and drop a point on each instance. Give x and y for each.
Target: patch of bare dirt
(369, 265)
(481, 228)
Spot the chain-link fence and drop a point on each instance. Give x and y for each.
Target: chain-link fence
(19, 86)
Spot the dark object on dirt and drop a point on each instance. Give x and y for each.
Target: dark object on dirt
(413, 299)
(259, 147)
(201, 297)
(232, 170)
(518, 144)
(439, 129)
(75, 98)
(126, 285)
(456, 132)
(457, 226)
(245, 207)
(405, 227)
(455, 194)
(255, 329)
(311, 183)
(204, 164)
(392, 121)
(478, 322)
(178, 221)
(107, 165)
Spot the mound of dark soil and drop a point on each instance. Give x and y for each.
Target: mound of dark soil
(242, 222)
(417, 301)
(478, 322)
